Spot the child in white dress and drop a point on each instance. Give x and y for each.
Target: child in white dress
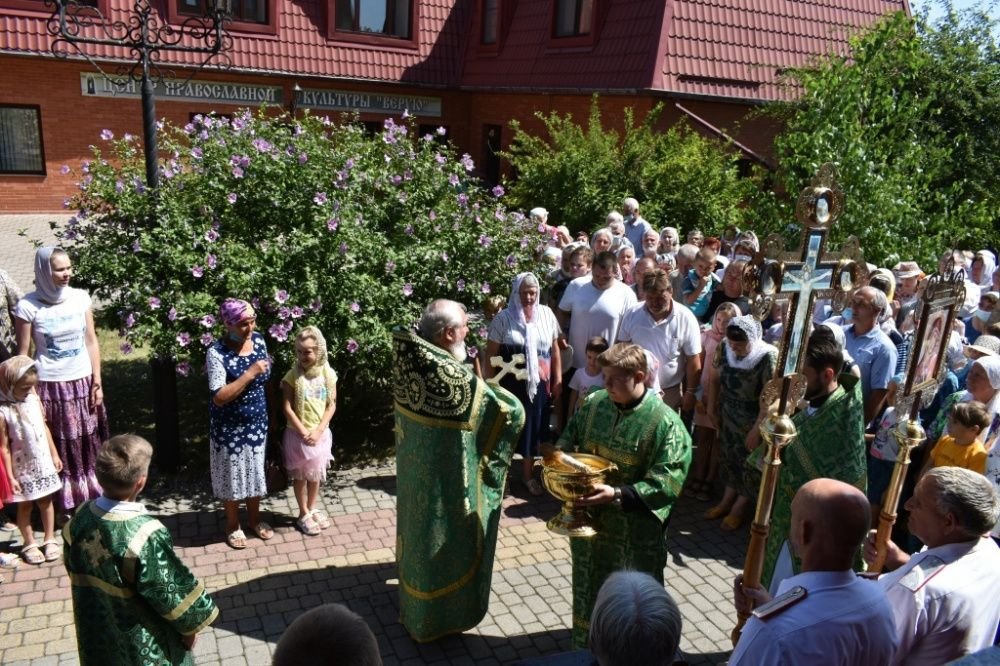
(29, 456)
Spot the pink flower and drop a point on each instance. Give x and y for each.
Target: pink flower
(211, 235)
(352, 345)
(281, 296)
(332, 224)
(183, 339)
(197, 271)
(154, 303)
(472, 351)
(212, 261)
(407, 289)
(171, 313)
(319, 198)
(297, 312)
(206, 339)
(460, 285)
(355, 307)
(232, 198)
(183, 368)
(125, 348)
(485, 288)
(208, 321)
(107, 134)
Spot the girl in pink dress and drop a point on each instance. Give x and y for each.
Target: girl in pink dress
(309, 392)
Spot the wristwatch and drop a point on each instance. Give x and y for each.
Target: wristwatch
(618, 495)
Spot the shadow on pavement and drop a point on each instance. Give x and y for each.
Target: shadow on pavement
(264, 607)
(385, 484)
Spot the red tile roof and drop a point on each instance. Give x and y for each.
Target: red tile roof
(725, 48)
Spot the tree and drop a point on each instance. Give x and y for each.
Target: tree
(902, 114)
(580, 174)
(314, 222)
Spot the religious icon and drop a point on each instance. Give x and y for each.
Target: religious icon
(936, 312)
(930, 350)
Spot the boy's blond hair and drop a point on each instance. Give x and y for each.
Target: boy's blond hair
(624, 356)
(971, 414)
(121, 462)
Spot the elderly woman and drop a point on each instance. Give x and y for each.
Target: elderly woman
(10, 294)
(528, 329)
(60, 320)
(238, 370)
(670, 241)
(744, 363)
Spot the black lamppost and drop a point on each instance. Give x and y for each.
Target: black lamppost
(147, 37)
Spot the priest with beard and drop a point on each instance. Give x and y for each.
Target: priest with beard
(455, 437)
(830, 444)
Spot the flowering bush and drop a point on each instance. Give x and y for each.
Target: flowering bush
(314, 222)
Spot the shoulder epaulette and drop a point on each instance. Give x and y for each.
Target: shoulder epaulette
(780, 603)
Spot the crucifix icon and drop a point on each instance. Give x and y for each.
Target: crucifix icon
(812, 272)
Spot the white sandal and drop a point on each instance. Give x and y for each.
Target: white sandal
(9, 561)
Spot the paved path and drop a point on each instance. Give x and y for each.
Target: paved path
(263, 588)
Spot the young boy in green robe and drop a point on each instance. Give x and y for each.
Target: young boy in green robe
(134, 601)
(631, 426)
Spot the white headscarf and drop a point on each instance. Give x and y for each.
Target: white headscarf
(45, 286)
(991, 364)
(989, 265)
(758, 348)
(530, 329)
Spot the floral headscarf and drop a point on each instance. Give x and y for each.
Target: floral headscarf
(233, 311)
(45, 286)
(11, 372)
(320, 367)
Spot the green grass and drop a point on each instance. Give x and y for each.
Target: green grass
(362, 426)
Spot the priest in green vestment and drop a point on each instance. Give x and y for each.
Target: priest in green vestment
(631, 426)
(134, 601)
(455, 436)
(830, 444)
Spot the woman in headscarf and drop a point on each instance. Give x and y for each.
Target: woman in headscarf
(60, 320)
(745, 364)
(238, 370)
(983, 266)
(528, 329)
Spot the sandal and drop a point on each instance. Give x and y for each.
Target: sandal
(322, 520)
(717, 511)
(32, 554)
(51, 550)
(732, 523)
(237, 540)
(307, 525)
(9, 561)
(262, 530)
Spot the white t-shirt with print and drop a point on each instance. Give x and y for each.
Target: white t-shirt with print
(60, 335)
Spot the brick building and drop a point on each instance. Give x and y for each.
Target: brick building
(469, 65)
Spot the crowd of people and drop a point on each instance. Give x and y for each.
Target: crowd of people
(634, 347)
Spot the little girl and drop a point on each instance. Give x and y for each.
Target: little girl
(706, 462)
(30, 456)
(309, 392)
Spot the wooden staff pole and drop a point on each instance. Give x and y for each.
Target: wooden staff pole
(778, 432)
(908, 434)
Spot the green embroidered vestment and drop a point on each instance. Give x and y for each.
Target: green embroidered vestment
(133, 598)
(830, 444)
(455, 436)
(652, 450)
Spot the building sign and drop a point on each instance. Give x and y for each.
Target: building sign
(362, 102)
(220, 92)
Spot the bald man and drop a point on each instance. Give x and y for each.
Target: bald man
(826, 614)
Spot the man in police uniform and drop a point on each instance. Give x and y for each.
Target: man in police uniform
(826, 614)
(946, 598)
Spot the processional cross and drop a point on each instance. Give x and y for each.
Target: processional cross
(801, 278)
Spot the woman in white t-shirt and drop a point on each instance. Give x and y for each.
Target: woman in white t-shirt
(59, 319)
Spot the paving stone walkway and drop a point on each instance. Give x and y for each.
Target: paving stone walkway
(262, 589)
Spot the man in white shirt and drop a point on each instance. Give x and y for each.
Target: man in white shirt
(594, 305)
(946, 598)
(671, 334)
(826, 614)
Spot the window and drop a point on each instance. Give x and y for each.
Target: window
(21, 150)
(574, 18)
(245, 11)
(39, 5)
(385, 18)
(490, 21)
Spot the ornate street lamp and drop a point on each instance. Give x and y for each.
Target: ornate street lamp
(147, 37)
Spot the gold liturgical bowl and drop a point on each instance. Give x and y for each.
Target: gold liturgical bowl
(568, 485)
